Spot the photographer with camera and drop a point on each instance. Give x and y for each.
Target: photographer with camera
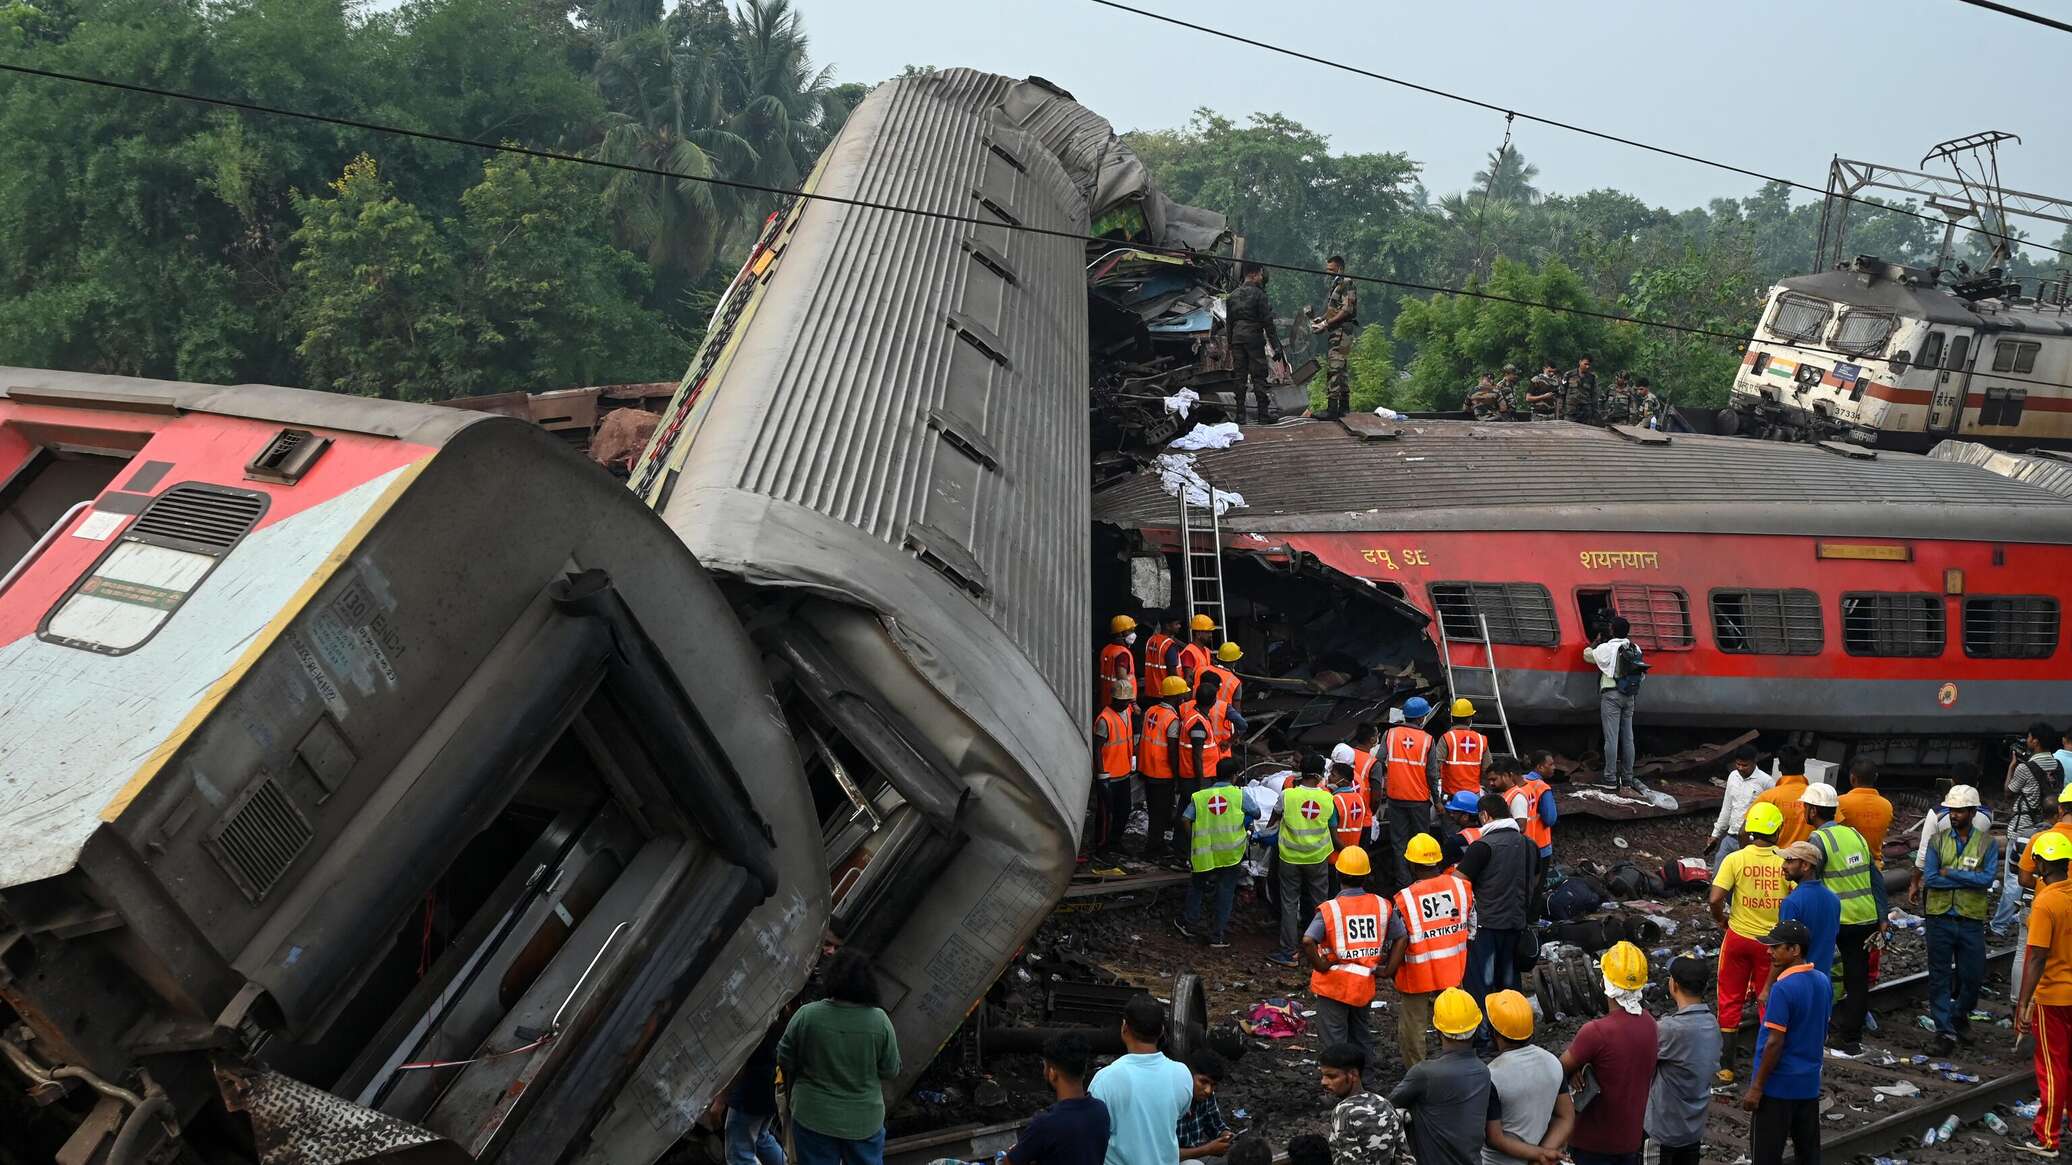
(1621, 667)
(2034, 777)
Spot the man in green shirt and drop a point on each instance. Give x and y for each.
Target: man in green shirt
(836, 1054)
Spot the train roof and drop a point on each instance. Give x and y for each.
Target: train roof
(2047, 469)
(1937, 306)
(1318, 476)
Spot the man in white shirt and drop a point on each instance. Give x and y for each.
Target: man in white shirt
(1744, 781)
(1615, 708)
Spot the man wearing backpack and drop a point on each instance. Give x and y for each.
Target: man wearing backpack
(1620, 667)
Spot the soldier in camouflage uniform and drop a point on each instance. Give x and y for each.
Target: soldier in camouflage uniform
(1579, 394)
(1339, 324)
(1484, 402)
(1618, 400)
(1250, 317)
(1647, 408)
(1543, 395)
(1365, 1129)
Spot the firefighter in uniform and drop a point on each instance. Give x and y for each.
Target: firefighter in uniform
(1434, 954)
(1201, 731)
(1348, 940)
(1462, 752)
(1158, 759)
(1196, 656)
(1219, 827)
(1250, 317)
(1118, 664)
(1411, 783)
(1115, 760)
(1159, 648)
(1339, 324)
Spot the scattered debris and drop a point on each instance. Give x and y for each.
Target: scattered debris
(1177, 474)
(1221, 436)
(1899, 1091)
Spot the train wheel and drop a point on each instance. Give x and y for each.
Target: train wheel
(1726, 422)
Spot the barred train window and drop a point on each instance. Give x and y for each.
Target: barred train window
(2003, 406)
(1767, 622)
(1660, 616)
(2016, 355)
(2010, 627)
(1864, 333)
(1517, 612)
(1799, 317)
(1892, 624)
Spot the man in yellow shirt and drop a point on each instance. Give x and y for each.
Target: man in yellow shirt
(2025, 869)
(1784, 796)
(1752, 879)
(2045, 1003)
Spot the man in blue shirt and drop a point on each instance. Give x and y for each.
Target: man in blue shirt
(1812, 903)
(1784, 1093)
(1961, 865)
(1145, 1092)
(1074, 1131)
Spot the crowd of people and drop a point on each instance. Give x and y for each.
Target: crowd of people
(1574, 395)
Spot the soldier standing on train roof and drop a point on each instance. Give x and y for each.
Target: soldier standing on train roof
(1543, 396)
(1507, 384)
(1250, 316)
(1579, 401)
(1339, 323)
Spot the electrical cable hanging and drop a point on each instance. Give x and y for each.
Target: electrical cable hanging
(890, 208)
(1489, 193)
(2019, 14)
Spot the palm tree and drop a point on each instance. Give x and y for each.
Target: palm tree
(1513, 178)
(782, 103)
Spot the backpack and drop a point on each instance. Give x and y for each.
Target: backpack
(1575, 898)
(1630, 668)
(1628, 882)
(1686, 873)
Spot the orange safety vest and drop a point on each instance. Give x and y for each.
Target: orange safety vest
(1190, 716)
(1467, 838)
(1363, 767)
(1155, 649)
(1118, 673)
(1352, 817)
(1461, 752)
(1407, 749)
(1194, 660)
(1155, 759)
(1355, 937)
(1539, 832)
(1118, 754)
(1230, 687)
(1226, 732)
(1435, 915)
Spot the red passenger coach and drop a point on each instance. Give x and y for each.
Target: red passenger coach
(1780, 586)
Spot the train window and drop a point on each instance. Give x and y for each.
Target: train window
(1864, 333)
(1517, 612)
(1931, 351)
(2003, 406)
(1799, 317)
(1892, 624)
(1767, 622)
(1958, 355)
(2010, 627)
(1661, 616)
(2015, 355)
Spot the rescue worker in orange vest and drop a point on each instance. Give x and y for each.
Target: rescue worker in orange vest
(1410, 783)
(1350, 825)
(1462, 752)
(1433, 957)
(1464, 814)
(1200, 729)
(1161, 656)
(1350, 938)
(1532, 803)
(1367, 754)
(1158, 759)
(1196, 655)
(1115, 762)
(1232, 724)
(1116, 674)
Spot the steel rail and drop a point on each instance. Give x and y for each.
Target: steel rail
(1967, 1104)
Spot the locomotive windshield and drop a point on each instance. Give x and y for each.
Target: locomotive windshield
(1799, 317)
(1864, 333)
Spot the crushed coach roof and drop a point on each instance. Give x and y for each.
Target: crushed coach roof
(1308, 476)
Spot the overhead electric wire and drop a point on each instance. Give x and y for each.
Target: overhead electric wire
(2019, 14)
(939, 215)
(1556, 123)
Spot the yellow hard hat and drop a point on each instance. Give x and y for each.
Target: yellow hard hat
(1173, 686)
(1764, 817)
(1353, 860)
(1510, 1014)
(1229, 652)
(1454, 1013)
(1202, 623)
(1625, 967)
(1423, 850)
(1463, 708)
(2065, 796)
(1121, 624)
(2052, 847)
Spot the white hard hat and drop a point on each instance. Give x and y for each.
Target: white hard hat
(1961, 797)
(1819, 794)
(1342, 754)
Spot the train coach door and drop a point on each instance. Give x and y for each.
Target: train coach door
(1946, 407)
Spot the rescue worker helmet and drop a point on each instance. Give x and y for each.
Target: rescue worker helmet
(1121, 625)
(1464, 801)
(1511, 1015)
(2065, 797)
(1463, 708)
(1352, 862)
(1819, 794)
(1416, 708)
(1764, 818)
(2053, 847)
(1454, 1013)
(1173, 686)
(1229, 652)
(1345, 754)
(1961, 797)
(1423, 850)
(1625, 967)
(1202, 623)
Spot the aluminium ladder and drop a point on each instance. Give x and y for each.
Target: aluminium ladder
(1495, 695)
(1201, 562)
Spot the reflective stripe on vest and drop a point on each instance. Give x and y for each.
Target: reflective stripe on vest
(1968, 903)
(1194, 660)
(1847, 870)
(1219, 828)
(1305, 835)
(1117, 755)
(1118, 673)
(1355, 937)
(1154, 756)
(1228, 686)
(1539, 832)
(1460, 760)
(1352, 817)
(1191, 718)
(1435, 913)
(1407, 750)
(1363, 765)
(1155, 662)
(1468, 837)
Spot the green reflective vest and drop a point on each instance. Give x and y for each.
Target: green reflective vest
(1972, 857)
(1847, 869)
(1219, 828)
(1305, 825)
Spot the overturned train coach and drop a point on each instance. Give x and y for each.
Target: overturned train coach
(378, 778)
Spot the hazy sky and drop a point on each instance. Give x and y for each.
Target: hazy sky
(1778, 86)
